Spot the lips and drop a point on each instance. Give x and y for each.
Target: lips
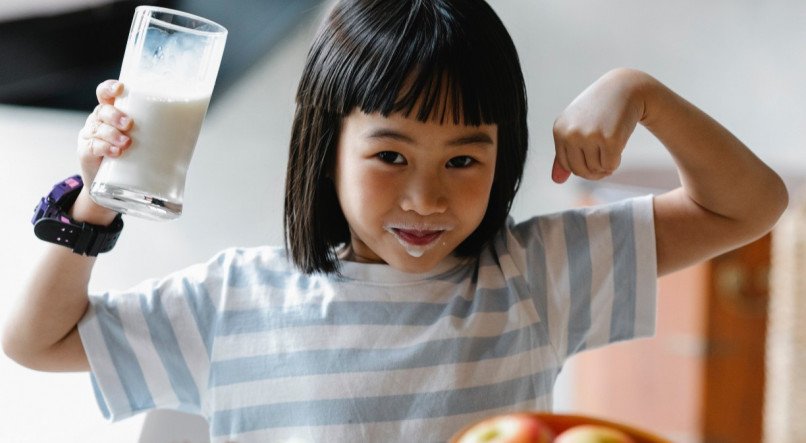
(417, 237)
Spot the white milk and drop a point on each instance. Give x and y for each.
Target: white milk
(163, 138)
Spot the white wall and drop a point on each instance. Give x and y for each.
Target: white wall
(739, 60)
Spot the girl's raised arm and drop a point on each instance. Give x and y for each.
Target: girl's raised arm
(42, 332)
(728, 197)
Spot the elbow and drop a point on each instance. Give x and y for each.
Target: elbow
(765, 216)
(16, 350)
(778, 202)
(10, 347)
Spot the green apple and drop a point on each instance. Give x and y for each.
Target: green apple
(593, 434)
(508, 428)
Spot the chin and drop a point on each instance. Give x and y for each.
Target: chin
(414, 265)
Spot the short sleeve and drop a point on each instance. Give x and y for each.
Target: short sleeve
(149, 346)
(592, 273)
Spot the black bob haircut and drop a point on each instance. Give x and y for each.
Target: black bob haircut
(450, 56)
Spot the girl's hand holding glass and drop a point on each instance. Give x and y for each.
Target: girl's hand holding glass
(105, 132)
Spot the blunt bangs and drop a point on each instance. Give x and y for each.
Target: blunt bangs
(434, 59)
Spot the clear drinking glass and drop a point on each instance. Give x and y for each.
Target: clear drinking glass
(169, 70)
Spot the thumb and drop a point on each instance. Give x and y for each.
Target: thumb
(558, 174)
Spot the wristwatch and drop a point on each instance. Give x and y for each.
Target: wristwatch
(52, 224)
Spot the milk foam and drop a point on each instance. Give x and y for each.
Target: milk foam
(415, 251)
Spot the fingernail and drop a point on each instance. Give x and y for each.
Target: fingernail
(122, 139)
(114, 86)
(115, 150)
(123, 121)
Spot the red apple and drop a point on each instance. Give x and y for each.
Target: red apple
(508, 428)
(593, 434)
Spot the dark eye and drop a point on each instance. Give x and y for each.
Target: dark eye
(391, 158)
(460, 162)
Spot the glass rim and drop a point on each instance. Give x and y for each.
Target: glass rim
(220, 30)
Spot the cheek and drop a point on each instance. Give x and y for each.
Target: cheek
(477, 203)
(475, 194)
(362, 191)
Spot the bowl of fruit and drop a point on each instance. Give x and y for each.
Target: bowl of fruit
(539, 427)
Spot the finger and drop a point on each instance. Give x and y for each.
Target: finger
(593, 159)
(576, 161)
(111, 135)
(89, 129)
(558, 173)
(95, 147)
(108, 90)
(112, 116)
(610, 162)
(562, 158)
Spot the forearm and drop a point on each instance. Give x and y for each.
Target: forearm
(718, 172)
(41, 331)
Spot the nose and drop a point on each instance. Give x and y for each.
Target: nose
(425, 193)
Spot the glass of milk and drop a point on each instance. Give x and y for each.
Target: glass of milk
(169, 70)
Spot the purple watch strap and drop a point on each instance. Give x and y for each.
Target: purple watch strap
(52, 224)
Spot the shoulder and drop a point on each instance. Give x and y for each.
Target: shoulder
(232, 265)
(272, 257)
(260, 259)
(622, 226)
(622, 215)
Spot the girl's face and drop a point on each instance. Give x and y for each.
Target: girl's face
(411, 191)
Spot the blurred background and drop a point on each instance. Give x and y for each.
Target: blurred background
(702, 379)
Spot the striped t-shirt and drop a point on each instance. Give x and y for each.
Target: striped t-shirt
(266, 353)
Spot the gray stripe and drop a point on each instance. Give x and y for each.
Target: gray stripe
(359, 410)
(581, 275)
(528, 234)
(203, 311)
(345, 360)
(364, 313)
(122, 355)
(625, 269)
(167, 346)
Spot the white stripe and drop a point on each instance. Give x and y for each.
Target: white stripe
(558, 288)
(483, 324)
(602, 285)
(266, 297)
(137, 333)
(646, 261)
(191, 344)
(382, 383)
(438, 429)
(101, 365)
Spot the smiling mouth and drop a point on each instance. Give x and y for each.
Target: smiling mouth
(418, 240)
(416, 237)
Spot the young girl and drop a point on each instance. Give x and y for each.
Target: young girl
(405, 304)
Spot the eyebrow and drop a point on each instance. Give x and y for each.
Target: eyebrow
(469, 139)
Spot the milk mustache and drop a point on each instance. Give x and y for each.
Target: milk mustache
(166, 127)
